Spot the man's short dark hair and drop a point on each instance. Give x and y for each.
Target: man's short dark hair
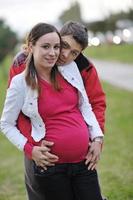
(77, 30)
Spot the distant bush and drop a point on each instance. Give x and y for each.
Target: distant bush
(8, 40)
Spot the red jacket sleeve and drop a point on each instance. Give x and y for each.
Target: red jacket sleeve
(17, 66)
(95, 93)
(15, 70)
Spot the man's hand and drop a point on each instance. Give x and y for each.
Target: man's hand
(42, 156)
(93, 155)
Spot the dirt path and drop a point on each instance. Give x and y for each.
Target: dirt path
(116, 73)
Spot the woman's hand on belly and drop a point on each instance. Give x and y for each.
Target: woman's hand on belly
(42, 156)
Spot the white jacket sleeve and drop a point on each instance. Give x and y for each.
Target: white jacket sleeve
(71, 73)
(12, 107)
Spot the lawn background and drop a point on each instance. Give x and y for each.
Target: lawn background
(116, 165)
(122, 53)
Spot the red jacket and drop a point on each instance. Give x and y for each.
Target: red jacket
(93, 88)
(91, 81)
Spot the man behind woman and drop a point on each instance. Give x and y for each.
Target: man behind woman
(40, 93)
(74, 40)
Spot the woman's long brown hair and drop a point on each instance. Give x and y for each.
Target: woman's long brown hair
(31, 73)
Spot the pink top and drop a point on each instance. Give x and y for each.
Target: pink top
(64, 123)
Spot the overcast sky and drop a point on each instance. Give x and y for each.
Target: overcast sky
(23, 14)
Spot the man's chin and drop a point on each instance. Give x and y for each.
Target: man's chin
(60, 63)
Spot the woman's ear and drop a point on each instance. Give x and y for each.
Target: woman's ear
(30, 48)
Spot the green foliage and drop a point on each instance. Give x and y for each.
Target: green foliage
(99, 26)
(8, 40)
(109, 23)
(73, 13)
(122, 53)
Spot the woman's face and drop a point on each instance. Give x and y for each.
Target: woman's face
(46, 51)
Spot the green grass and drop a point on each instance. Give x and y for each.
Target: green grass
(11, 164)
(122, 53)
(4, 71)
(116, 165)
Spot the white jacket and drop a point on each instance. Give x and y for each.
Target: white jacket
(21, 97)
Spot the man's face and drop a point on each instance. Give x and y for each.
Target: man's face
(70, 49)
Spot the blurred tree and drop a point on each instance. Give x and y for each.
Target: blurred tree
(8, 39)
(110, 23)
(73, 13)
(130, 14)
(98, 26)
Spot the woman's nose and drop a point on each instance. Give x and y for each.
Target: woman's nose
(52, 51)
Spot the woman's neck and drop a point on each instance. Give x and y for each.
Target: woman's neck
(45, 74)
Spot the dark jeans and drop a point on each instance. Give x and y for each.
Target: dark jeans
(64, 182)
(32, 187)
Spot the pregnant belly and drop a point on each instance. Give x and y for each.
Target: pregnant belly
(70, 147)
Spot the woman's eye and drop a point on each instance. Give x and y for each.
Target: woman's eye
(45, 46)
(57, 47)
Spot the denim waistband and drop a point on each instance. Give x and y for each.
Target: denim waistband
(66, 168)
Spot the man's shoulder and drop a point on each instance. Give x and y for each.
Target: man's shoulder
(19, 59)
(82, 62)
